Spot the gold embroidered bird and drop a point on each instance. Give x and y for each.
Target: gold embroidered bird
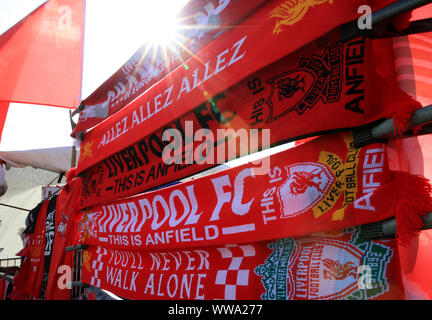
(292, 11)
(86, 150)
(302, 180)
(337, 271)
(86, 260)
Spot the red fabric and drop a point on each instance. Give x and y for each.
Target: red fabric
(414, 75)
(149, 65)
(29, 278)
(326, 266)
(4, 107)
(301, 141)
(304, 93)
(71, 174)
(255, 43)
(3, 287)
(66, 224)
(321, 185)
(41, 56)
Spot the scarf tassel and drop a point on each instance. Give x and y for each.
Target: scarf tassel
(414, 201)
(400, 106)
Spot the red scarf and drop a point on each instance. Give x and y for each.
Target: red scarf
(311, 91)
(149, 65)
(226, 61)
(3, 288)
(327, 266)
(321, 185)
(67, 217)
(28, 280)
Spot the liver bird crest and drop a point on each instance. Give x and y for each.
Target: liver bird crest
(337, 271)
(292, 11)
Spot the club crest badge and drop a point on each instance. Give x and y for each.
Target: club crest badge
(315, 78)
(92, 181)
(306, 184)
(86, 150)
(89, 227)
(62, 226)
(321, 268)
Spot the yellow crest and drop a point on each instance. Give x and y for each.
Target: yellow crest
(86, 260)
(345, 171)
(86, 150)
(84, 228)
(292, 11)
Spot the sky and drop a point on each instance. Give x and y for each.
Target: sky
(114, 30)
(13, 11)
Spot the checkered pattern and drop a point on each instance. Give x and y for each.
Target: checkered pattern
(234, 276)
(97, 266)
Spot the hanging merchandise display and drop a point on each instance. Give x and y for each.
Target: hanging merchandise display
(66, 226)
(323, 87)
(50, 232)
(333, 216)
(321, 185)
(227, 60)
(28, 281)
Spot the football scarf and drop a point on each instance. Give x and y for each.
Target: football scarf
(202, 21)
(327, 266)
(31, 219)
(269, 34)
(324, 86)
(321, 185)
(3, 288)
(50, 231)
(28, 280)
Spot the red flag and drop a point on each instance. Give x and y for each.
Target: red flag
(413, 64)
(41, 56)
(413, 67)
(4, 107)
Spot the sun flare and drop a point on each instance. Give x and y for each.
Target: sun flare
(156, 21)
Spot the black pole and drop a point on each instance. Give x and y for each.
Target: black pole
(18, 208)
(350, 30)
(386, 128)
(396, 9)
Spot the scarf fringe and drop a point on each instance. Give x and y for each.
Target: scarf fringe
(399, 105)
(414, 201)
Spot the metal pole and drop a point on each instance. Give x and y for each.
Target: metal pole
(386, 128)
(10, 206)
(396, 9)
(350, 30)
(387, 229)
